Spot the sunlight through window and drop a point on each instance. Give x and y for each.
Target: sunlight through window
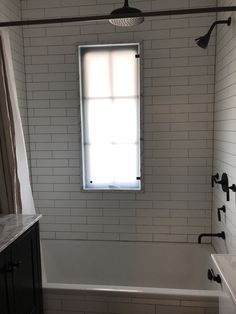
(110, 113)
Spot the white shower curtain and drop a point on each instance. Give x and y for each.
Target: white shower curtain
(22, 164)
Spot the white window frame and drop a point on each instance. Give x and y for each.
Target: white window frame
(87, 188)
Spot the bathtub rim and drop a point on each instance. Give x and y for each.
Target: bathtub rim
(164, 293)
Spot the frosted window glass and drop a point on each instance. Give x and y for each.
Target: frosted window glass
(125, 159)
(124, 74)
(126, 119)
(110, 110)
(96, 75)
(100, 165)
(98, 120)
(112, 166)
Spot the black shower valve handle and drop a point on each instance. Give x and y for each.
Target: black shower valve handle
(223, 209)
(225, 185)
(227, 196)
(214, 179)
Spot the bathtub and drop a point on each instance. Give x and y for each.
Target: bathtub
(127, 278)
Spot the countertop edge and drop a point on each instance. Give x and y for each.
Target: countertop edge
(22, 231)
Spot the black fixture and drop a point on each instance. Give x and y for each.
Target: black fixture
(223, 209)
(217, 235)
(224, 182)
(128, 21)
(225, 185)
(203, 41)
(105, 17)
(212, 277)
(214, 179)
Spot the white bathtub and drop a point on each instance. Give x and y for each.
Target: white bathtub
(114, 277)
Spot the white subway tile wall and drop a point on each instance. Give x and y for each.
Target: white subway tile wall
(178, 96)
(225, 131)
(11, 10)
(69, 302)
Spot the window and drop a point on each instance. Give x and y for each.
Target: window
(110, 113)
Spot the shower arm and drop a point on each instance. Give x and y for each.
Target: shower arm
(96, 18)
(228, 22)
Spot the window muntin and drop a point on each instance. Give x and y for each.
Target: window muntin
(110, 111)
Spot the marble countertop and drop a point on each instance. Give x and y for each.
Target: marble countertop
(12, 226)
(226, 265)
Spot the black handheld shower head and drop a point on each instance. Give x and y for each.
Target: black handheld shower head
(203, 41)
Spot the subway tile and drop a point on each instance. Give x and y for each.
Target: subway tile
(103, 236)
(178, 129)
(120, 308)
(179, 310)
(103, 220)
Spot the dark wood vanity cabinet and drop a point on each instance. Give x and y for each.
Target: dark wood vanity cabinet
(20, 275)
(3, 285)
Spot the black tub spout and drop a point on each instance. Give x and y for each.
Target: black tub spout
(217, 235)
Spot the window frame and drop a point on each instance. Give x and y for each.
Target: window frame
(140, 117)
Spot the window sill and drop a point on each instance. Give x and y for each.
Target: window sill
(112, 190)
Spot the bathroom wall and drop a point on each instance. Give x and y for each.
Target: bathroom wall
(178, 85)
(225, 127)
(11, 10)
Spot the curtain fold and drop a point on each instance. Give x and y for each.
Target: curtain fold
(10, 197)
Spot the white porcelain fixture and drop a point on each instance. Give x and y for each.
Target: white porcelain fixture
(175, 272)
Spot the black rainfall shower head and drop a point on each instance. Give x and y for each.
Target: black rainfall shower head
(203, 41)
(129, 21)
